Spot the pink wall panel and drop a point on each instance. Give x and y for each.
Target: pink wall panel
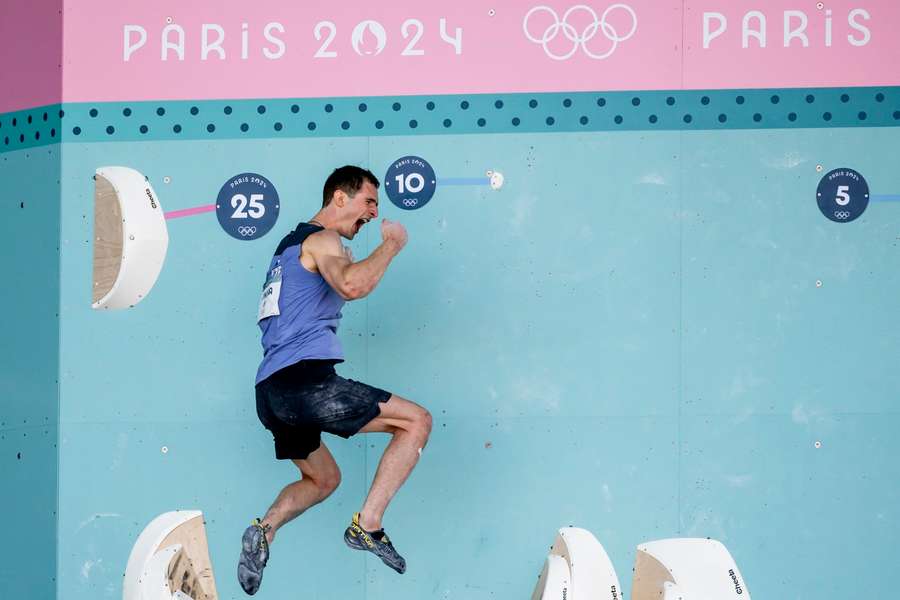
(494, 55)
(30, 53)
(807, 43)
(117, 49)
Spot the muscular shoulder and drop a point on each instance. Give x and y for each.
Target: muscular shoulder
(325, 241)
(317, 246)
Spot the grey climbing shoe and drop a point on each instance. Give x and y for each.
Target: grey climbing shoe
(254, 556)
(376, 542)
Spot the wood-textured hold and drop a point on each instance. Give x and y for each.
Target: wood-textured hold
(108, 238)
(190, 571)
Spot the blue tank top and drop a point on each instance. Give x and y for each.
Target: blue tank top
(308, 310)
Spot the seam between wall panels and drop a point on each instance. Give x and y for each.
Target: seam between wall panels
(59, 338)
(679, 395)
(59, 370)
(683, 25)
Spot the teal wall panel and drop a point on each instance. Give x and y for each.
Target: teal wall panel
(29, 367)
(627, 337)
(803, 522)
(785, 311)
(116, 478)
(177, 371)
(28, 458)
(189, 349)
(536, 292)
(480, 511)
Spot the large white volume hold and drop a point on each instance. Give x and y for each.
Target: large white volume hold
(591, 573)
(687, 569)
(170, 560)
(553, 583)
(130, 237)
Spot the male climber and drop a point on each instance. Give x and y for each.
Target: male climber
(298, 393)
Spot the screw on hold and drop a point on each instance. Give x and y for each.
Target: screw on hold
(169, 20)
(164, 449)
(167, 179)
(819, 168)
(820, 5)
(818, 283)
(818, 444)
(492, 12)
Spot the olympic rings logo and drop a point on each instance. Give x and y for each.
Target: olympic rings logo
(246, 230)
(410, 202)
(841, 214)
(580, 39)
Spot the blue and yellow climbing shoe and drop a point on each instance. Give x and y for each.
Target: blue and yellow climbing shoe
(376, 542)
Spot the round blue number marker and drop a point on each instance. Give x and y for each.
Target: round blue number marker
(842, 195)
(247, 206)
(410, 182)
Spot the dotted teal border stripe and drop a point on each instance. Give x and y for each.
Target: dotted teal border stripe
(31, 128)
(458, 114)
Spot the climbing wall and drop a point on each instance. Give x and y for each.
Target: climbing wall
(650, 294)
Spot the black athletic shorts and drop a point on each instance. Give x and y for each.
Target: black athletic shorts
(299, 402)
